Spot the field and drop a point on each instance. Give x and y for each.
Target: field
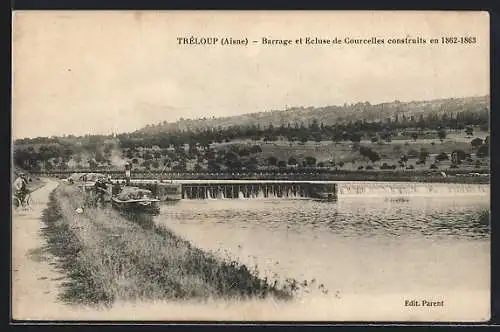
(390, 152)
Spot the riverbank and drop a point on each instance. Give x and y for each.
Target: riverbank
(110, 258)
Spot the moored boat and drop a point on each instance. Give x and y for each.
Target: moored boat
(136, 200)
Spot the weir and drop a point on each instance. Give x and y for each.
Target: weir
(258, 190)
(414, 189)
(325, 190)
(237, 189)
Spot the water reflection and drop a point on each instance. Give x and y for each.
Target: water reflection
(368, 245)
(429, 217)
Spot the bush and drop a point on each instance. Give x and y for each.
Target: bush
(292, 161)
(256, 149)
(476, 142)
(483, 151)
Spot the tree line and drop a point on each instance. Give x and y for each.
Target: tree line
(353, 131)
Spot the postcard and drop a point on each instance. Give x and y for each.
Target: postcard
(251, 166)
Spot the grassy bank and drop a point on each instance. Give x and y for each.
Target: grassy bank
(108, 258)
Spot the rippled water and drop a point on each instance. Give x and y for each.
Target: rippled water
(376, 244)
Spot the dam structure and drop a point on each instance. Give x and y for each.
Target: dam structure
(325, 190)
(236, 189)
(283, 189)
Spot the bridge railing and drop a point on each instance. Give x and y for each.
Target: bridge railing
(311, 174)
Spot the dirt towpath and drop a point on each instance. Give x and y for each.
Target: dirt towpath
(35, 280)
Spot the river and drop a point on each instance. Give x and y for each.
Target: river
(385, 240)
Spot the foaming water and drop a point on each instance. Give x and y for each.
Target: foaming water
(381, 246)
(358, 188)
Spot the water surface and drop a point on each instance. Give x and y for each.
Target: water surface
(372, 242)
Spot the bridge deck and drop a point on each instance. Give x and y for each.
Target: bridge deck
(223, 181)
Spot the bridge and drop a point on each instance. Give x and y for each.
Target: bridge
(298, 175)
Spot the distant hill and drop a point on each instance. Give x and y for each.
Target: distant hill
(329, 115)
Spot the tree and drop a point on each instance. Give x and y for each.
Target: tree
(281, 164)
(476, 142)
(483, 151)
(252, 164)
(414, 136)
(92, 164)
(310, 161)
(386, 136)
(292, 161)
(457, 156)
(180, 167)
(442, 134)
(369, 153)
(147, 164)
(272, 161)
(355, 137)
(213, 166)
(129, 154)
(197, 168)
(243, 152)
(99, 156)
(255, 149)
(374, 156)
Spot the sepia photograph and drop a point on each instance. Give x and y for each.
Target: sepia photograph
(250, 166)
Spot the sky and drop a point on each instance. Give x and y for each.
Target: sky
(101, 72)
